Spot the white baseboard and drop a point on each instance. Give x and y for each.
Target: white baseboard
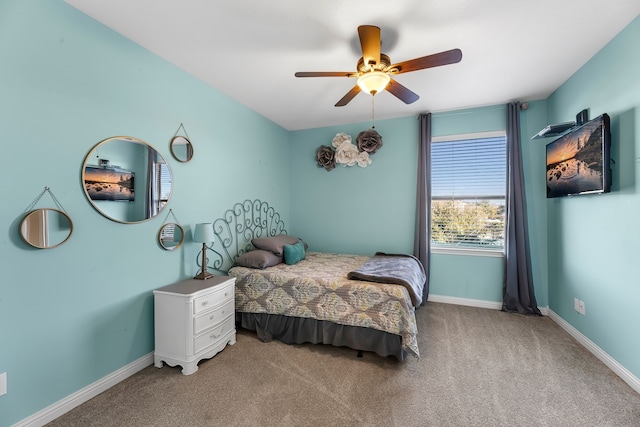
(494, 305)
(617, 368)
(63, 406)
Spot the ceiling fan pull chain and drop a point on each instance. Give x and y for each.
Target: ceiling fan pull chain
(373, 112)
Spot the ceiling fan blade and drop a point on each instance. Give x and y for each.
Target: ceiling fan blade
(349, 96)
(324, 74)
(443, 58)
(370, 43)
(401, 92)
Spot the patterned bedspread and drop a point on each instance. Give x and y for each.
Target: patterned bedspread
(317, 287)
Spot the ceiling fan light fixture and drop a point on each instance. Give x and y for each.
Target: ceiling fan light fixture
(373, 81)
(374, 69)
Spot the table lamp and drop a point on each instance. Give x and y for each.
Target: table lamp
(203, 233)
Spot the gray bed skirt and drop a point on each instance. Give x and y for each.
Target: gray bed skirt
(298, 330)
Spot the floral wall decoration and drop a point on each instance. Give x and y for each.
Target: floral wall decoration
(343, 152)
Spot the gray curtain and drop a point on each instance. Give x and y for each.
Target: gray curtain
(518, 294)
(150, 195)
(421, 246)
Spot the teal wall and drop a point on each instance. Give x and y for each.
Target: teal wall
(354, 209)
(593, 240)
(69, 316)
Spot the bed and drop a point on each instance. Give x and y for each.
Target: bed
(343, 300)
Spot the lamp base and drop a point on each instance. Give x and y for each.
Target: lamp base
(203, 275)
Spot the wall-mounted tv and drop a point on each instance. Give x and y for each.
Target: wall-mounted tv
(109, 183)
(578, 162)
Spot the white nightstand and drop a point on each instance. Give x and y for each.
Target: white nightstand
(194, 320)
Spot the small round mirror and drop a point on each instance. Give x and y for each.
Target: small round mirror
(46, 228)
(181, 148)
(170, 236)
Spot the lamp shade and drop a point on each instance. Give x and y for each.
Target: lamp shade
(203, 233)
(373, 81)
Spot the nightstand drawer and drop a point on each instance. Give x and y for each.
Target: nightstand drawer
(213, 335)
(210, 318)
(215, 298)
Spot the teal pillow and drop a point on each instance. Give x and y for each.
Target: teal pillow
(293, 253)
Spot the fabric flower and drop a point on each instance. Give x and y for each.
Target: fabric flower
(363, 159)
(369, 141)
(339, 139)
(326, 157)
(347, 154)
(343, 151)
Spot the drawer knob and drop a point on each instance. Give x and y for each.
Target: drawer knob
(213, 335)
(211, 317)
(204, 303)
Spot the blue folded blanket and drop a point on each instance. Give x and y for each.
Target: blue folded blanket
(399, 269)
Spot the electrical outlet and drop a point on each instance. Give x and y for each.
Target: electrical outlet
(582, 309)
(576, 304)
(3, 383)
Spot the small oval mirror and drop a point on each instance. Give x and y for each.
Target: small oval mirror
(181, 148)
(46, 228)
(170, 236)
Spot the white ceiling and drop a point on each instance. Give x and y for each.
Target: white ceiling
(250, 49)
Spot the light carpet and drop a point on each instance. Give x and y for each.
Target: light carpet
(478, 367)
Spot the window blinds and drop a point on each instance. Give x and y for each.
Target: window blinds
(468, 185)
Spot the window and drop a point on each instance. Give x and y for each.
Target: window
(468, 187)
(167, 233)
(160, 180)
(163, 184)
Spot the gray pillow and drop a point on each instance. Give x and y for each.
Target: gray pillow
(259, 259)
(274, 244)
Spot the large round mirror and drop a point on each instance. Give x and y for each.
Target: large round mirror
(181, 148)
(170, 236)
(126, 179)
(46, 228)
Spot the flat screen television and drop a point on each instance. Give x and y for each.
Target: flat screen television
(578, 162)
(109, 183)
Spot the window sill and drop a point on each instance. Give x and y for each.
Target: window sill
(493, 253)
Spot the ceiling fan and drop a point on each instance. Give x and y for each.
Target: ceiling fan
(374, 69)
